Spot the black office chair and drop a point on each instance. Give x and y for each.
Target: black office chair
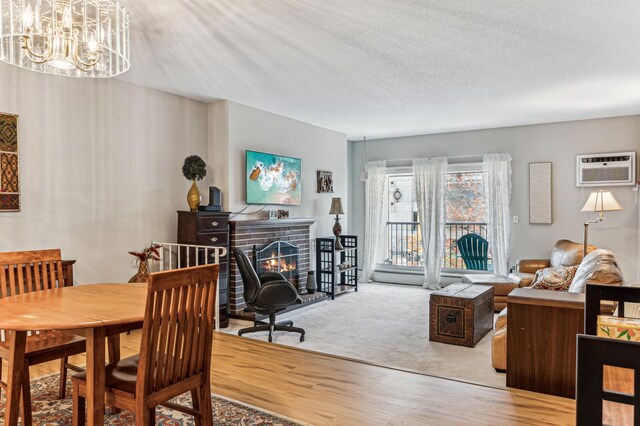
(266, 294)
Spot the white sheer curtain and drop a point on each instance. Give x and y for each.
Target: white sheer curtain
(374, 216)
(430, 176)
(498, 216)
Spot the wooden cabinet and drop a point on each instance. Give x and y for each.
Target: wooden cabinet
(205, 228)
(541, 340)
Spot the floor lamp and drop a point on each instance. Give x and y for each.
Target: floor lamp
(598, 202)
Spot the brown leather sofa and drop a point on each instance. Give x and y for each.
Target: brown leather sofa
(599, 267)
(564, 253)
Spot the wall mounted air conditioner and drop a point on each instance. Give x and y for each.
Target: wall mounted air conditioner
(610, 169)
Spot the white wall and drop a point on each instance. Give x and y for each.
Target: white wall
(253, 129)
(218, 151)
(100, 164)
(558, 143)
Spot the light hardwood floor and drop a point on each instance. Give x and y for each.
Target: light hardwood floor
(323, 389)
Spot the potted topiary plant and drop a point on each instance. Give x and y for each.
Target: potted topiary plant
(194, 168)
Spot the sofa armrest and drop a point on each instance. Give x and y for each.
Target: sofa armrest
(522, 279)
(531, 266)
(501, 320)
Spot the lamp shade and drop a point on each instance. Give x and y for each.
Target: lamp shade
(601, 201)
(336, 206)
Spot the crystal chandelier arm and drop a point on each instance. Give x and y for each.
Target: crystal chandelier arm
(33, 56)
(82, 65)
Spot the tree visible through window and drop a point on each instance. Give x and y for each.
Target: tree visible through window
(465, 197)
(465, 214)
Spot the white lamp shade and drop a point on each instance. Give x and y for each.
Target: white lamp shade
(601, 201)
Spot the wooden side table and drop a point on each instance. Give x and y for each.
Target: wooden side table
(460, 314)
(541, 340)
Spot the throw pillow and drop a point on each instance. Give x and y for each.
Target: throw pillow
(598, 267)
(557, 279)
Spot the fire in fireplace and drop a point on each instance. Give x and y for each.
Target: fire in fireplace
(279, 256)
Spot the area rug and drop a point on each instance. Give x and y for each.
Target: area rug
(386, 325)
(47, 410)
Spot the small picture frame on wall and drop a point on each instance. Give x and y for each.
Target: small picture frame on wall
(325, 182)
(278, 214)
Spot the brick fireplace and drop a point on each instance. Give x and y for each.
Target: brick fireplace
(258, 234)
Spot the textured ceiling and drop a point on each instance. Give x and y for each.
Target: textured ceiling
(390, 68)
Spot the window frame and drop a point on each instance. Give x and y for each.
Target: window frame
(408, 170)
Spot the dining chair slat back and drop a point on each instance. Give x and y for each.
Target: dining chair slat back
(178, 327)
(24, 272)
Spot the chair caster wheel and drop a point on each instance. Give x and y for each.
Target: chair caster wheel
(270, 339)
(302, 338)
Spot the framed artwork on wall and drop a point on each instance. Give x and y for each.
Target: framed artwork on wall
(540, 197)
(325, 182)
(9, 165)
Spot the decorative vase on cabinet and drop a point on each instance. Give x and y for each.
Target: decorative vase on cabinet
(193, 197)
(194, 168)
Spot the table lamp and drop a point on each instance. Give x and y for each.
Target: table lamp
(598, 202)
(336, 208)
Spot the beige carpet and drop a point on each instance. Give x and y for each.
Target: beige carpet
(388, 325)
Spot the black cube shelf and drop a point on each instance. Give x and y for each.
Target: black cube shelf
(337, 270)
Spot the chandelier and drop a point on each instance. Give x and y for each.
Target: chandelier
(75, 38)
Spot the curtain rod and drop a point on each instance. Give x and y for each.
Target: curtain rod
(457, 157)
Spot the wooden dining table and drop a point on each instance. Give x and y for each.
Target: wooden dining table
(96, 311)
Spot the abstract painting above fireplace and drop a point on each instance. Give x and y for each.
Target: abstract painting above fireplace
(273, 179)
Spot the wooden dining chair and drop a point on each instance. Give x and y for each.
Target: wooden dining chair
(26, 272)
(175, 351)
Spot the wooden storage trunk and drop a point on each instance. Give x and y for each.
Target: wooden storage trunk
(461, 314)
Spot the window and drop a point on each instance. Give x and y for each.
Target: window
(404, 244)
(465, 214)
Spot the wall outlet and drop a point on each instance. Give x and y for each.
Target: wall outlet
(516, 218)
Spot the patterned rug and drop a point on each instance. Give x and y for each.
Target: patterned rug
(47, 410)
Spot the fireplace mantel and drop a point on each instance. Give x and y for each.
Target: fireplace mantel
(274, 223)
